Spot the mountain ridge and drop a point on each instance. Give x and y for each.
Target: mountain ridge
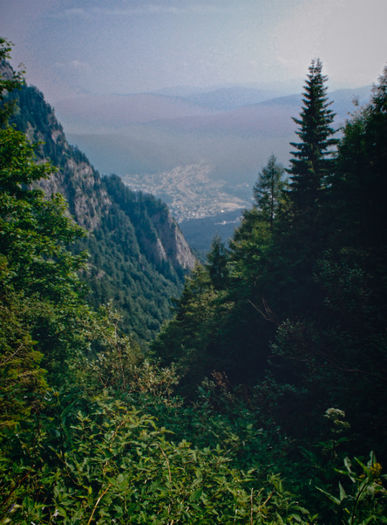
(138, 255)
(112, 112)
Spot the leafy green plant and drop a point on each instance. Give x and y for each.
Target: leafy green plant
(365, 499)
(104, 461)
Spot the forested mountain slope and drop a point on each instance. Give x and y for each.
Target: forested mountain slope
(138, 256)
(295, 310)
(278, 344)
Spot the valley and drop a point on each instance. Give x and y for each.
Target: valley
(192, 322)
(200, 233)
(189, 191)
(200, 153)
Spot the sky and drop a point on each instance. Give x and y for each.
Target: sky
(70, 47)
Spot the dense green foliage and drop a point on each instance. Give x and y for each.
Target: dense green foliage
(123, 268)
(292, 315)
(39, 286)
(92, 432)
(9, 82)
(103, 461)
(70, 452)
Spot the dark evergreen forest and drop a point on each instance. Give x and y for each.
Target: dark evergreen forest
(261, 401)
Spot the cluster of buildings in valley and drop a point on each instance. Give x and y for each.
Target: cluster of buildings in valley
(188, 190)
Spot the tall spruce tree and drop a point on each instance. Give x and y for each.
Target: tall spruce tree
(268, 190)
(301, 232)
(311, 160)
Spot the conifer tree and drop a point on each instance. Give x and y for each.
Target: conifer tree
(359, 184)
(268, 189)
(311, 160)
(217, 262)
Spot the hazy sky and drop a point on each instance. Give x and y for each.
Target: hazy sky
(124, 46)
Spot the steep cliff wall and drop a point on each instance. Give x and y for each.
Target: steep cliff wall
(138, 255)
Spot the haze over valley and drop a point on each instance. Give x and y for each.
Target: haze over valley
(199, 158)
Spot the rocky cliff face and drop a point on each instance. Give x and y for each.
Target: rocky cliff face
(75, 179)
(138, 255)
(174, 243)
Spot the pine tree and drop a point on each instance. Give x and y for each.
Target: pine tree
(269, 189)
(217, 263)
(359, 183)
(312, 155)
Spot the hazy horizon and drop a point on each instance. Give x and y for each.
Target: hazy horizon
(70, 47)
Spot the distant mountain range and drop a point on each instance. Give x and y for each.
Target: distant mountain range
(114, 112)
(227, 98)
(111, 113)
